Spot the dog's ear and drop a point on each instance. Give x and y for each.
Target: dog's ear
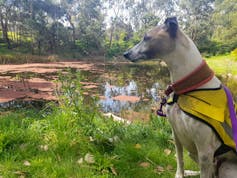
(172, 26)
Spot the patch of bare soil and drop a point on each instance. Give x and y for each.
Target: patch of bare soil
(133, 115)
(15, 83)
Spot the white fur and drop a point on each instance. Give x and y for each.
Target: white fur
(198, 138)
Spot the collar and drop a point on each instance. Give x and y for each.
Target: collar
(198, 77)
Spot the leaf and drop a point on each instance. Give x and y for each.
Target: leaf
(89, 158)
(114, 171)
(80, 161)
(159, 169)
(44, 147)
(145, 164)
(91, 139)
(167, 152)
(171, 141)
(26, 163)
(138, 146)
(19, 173)
(169, 168)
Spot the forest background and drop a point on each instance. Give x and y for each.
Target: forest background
(73, 29)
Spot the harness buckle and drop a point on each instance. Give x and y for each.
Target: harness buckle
(160, 111)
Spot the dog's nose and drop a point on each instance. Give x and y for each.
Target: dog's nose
(126, 54)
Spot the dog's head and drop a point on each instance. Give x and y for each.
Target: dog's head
(156, 43)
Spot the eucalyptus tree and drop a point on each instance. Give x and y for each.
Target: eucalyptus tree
(90, 25)
(40, 15)
(195, 17)
(71, 10)
(6, 12)
(225, 23)
(129, 19)
(147, 13)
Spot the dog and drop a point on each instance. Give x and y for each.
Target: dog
(178, 51)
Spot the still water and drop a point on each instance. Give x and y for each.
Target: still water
(132, 86)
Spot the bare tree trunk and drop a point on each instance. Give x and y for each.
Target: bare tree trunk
(111, 36)
(73, 29)
(5, 31)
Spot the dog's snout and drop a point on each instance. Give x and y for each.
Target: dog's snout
(126, 54)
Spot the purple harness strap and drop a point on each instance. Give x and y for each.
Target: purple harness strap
(232, 114)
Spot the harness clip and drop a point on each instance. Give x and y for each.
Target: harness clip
(160, 111)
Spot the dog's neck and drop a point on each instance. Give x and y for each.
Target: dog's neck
(184, 59)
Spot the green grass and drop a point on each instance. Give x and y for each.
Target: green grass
(223, 64)
(35, 145)
(73, 139)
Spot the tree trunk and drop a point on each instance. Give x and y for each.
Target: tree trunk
(111, 36)
(39, 47)
(5, 32)
(73, 29)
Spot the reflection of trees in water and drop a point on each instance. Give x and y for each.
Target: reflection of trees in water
(109, 104)
(129, 90)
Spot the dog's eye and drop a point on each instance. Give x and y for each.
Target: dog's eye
(146, 37)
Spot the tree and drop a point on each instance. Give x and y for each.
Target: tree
(90, 25)
(6, 11)
(225, 23)
(71, 10)
(39, 17)
(196, 19)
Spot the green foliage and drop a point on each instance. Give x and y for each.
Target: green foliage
(197, 24)
(225, 23)
(223, 64)
(121, 44)
(90, 28)
(234, 54)
(117, 47)
(73, 139)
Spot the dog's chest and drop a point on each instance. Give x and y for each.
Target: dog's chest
(188, 130)
(178, 120)
(205, 108)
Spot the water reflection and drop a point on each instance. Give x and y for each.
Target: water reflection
(153, 92)
(117, 98)
(130, 90)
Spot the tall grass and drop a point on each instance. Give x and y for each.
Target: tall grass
(73, 139)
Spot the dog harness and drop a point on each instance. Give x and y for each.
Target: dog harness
(212, 106)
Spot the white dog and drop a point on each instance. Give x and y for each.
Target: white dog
(182, 57)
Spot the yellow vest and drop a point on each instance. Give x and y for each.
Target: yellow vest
(210, 106)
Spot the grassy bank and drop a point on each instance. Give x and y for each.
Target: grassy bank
(223, 64)
(73, 139)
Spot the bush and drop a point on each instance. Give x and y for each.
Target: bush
(121, 44)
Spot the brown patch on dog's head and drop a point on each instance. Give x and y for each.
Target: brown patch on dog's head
(157, 42)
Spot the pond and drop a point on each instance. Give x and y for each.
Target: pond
(122, 88)
(134, 86)
(129, 86)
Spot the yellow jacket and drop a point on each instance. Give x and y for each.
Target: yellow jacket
(211, 107)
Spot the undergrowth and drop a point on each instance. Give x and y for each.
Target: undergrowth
(73, 139)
